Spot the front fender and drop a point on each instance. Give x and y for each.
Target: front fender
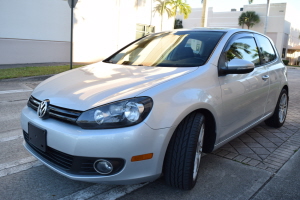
(175, 99)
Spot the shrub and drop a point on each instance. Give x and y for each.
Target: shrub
(286, 62)
(178, 24)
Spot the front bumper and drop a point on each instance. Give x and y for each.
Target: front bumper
(122, 143)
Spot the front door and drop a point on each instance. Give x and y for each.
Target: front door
(244, 96)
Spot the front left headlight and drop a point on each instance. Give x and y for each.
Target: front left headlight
(116, 115)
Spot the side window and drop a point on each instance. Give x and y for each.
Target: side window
(243, 48)
(266, 49)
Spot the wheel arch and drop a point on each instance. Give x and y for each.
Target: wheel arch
(286, 87)
(210, 130)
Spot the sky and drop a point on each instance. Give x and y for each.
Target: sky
(227, 5)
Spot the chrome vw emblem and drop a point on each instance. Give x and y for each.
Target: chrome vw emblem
(42, 110)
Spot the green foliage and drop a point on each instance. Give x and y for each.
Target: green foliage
(182, 7)
(286, 62)
(249, 18)
(162, 7)
(171, 7)
(178, 24)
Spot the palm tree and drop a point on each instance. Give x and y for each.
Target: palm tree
(267, 14)
(250, 18)
(182, 7)
(161, 8)
(204, 14)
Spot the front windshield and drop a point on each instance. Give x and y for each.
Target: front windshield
(169, 49)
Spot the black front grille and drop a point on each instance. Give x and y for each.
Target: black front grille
(73, 164)
(63, 114)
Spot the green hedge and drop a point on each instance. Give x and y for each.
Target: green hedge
(286, 62)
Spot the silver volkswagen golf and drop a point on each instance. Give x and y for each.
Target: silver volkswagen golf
(155, 105)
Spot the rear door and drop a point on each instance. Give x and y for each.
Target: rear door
(243, 95)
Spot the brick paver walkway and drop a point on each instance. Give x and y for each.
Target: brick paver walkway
(265, 147)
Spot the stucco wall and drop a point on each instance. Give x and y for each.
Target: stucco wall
(35, 19)
(103, 27)
(100, 28)
(34, 31)
(18, 51)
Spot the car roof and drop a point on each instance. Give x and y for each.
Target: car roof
(218, 29)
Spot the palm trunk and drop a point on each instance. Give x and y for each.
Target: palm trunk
(204, 14)
(175, 15)
(267, 16)
(161, 14)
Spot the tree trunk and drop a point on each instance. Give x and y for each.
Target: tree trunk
(175, 15)
(204, 14)
(161, 14)
(267, 16)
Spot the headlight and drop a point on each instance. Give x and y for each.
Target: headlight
(116, 115)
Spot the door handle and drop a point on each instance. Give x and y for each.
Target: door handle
(265, 77)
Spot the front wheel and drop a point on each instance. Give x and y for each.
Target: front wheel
(280, 112)
(183, 155)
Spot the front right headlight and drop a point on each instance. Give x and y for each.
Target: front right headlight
(116, 115)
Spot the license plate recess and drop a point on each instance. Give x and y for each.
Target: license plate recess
(37, 137)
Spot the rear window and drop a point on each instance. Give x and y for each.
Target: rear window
(171, 49)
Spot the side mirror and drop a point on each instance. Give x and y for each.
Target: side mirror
(238, 66)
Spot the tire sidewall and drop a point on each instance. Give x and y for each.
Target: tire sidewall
(276, 113)
(192, 181)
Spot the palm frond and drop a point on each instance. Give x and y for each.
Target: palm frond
(249, 18)
(162, 7)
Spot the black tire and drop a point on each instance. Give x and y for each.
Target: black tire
(181, 154)
(275, 120)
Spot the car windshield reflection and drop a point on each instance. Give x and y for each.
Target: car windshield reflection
(169, 49)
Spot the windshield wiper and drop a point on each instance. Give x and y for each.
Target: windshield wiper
(108, 61)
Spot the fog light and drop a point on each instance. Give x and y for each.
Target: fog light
(103, 166)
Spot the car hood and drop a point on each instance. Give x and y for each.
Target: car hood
(101, 83)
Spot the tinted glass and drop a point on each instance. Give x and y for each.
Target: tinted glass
(243, 48)
(267, 52)
(176, 49)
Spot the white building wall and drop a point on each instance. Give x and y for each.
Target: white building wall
(293, 23)
(103, 27)
(37, 31)
(223, 19)
(281, 22)
(34, 31)
(35, 19)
